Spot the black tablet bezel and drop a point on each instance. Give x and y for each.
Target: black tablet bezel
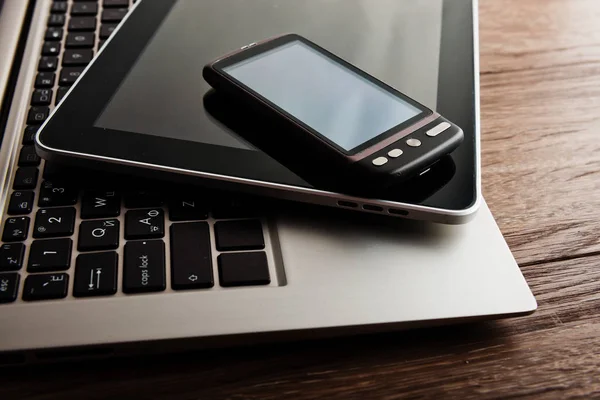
(71, 129)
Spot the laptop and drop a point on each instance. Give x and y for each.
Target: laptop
(278, 272)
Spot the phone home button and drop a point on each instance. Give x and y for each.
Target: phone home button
(379, 161)
(395, 153)
(412, 142)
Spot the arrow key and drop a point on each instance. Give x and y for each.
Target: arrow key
(96, 274)
(98, 235)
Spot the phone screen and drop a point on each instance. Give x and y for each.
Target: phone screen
(338, 103)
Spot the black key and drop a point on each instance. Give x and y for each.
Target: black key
(51, 49)
(96, 274)
(15, 229)
(142, 199)
(46, 287)
(106, 30)
(243, 269)
(29, 134)
(60, 93)
(191, 261)
(77, 56)
(87, 8)
(56, 20)
(98, 235)
(28, 157)
(45, 80)
(144, 224)
(144, 266)
(53, 170)
(80, 39)
(52, 222)
(230, 207)
(69, 75)
(59, 7)
(187, 209)
(239, 235)
(53, 34)
(101, 44)
(11, 256)
(41, 97)
(21, 202)
(100, 204)
(54, 194)
(37, 115)
(77, 24)
(115, 3)
(113, 14)
(25, 178)
(48, 63)
(9, 286)
(50, 255)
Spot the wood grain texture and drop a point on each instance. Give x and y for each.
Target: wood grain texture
(540, 79)
(540, 94)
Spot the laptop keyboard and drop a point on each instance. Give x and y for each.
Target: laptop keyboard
(70, 234)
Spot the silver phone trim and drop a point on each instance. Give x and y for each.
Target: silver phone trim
(308, 195)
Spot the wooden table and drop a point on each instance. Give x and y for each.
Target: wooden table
(540, 92)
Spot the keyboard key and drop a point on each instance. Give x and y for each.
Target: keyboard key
(54, 194)
(29, 134)
(69, 75)
(144, 266)
(84, 8)
(45, 80)
(96, 274)
(142, 199)
(230, 207)
(46, 287)
(191, 261)
(59, 7)
(100, 204)
(80, 39)
(52, 222)
(21, 202)
(28, 157)
(15, 229)
(51, 49)
(98, 235)
(77, 24)
(106, 30)
(243, 269)
(77, 56)
(25, 178)
(50, 255)
(239, 235)
(37, 115)
(9, 287)
(101, 44)
(41, 97)
(48, 63)
(56, 20)
(187, 209)
(60, 93)
(12, 256)
(115, 3)
(113, 14)
(53, 34)
(144, 224)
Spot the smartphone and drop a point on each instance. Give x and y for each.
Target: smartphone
(343, 121)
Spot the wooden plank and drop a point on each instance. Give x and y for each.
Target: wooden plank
(540, 91)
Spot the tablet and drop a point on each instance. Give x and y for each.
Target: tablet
(142, 104)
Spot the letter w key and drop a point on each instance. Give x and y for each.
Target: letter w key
(100, 204)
